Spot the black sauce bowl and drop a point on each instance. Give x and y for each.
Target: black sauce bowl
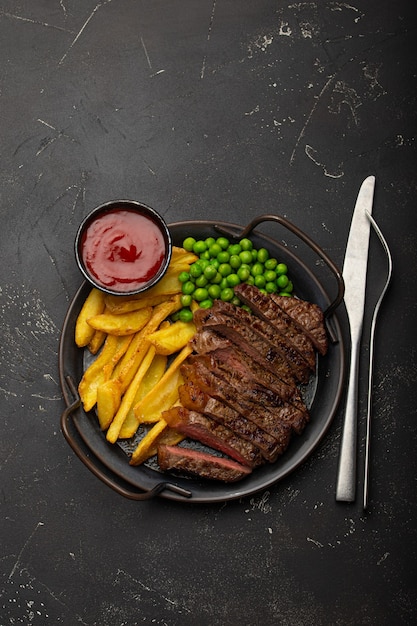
(112, 207)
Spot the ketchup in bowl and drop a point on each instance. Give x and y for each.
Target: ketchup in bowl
(123, 247)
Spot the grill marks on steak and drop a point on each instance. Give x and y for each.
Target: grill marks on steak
(267, 309)
(201, 464)
(199, 427)
(240, 395)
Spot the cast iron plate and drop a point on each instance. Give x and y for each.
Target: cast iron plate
(327, 390)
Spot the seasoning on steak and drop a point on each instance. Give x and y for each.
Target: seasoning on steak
(277, 421)
(201, 464)
(204, 429)
(267, 309)
(308, 317)
(194, 398)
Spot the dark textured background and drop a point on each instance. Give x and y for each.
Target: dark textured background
(213, 109)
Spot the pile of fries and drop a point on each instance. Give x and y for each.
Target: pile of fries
(136, 373)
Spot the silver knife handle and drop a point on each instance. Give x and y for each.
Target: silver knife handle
(346, 478)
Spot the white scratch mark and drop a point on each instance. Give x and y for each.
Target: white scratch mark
(146, 53)
(19, 556)
(35, 22)
(255, 110)
(261, 503)
(310, 115)
(316, 543)
(284, 29)
(312, 154)
(383, 558)
(213, 9)
(83, 27)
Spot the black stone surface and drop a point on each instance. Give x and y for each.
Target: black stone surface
(218, 110)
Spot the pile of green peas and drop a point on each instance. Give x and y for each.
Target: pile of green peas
(221, 266)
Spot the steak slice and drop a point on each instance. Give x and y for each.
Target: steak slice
(277, 421)
(200, 464)
(261, 335)
(267, 309)
(204, 429)
(247, 386)
(308, 317)
(207, 340)
(194, 398)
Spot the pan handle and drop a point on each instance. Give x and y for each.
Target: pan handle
(312, 244)
(90, 462)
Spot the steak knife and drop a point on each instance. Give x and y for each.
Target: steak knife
(354, 274)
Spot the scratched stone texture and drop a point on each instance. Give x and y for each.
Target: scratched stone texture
(220, 110)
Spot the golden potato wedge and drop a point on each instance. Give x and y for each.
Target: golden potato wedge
(108, 402)
(125, 324)
(129, 396)
(97, 341)
(93, 305)
(153, 375)
(95, 374)
(142, 452)
(173, 338)
(181, 255)
(165, 392)
(121, 304)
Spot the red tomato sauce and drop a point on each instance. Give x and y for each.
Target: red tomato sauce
(123, 249)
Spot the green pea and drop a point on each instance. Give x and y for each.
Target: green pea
(246, 256)
(223, 242)
(188, 244)
(270, 276)
(175, 316)
(210, 272)
(243, 273)
(199, 247)
(225, 269)
(282, 281)
(284, 293)
(271, 264)
(196, 270)
(235, 300)
(188, 288)
(223, 284)
(257, 269)
(234, 248)
(246, 244)
(260, 281)
(223, 256)
(235, 261)
(183, 277)
(290, 287)
(217, 279)
(263, 255)
(201, 281)
(214, 250)
(203, 263)
(254, 254)
(270, 287)
(209, 241)
(186, 315)
(205, 256)
(186, 300)
(227, 294)
(233, 280)
(281, 268)
(206, 304)
(250, 280)
(214, 291)
(200, 294)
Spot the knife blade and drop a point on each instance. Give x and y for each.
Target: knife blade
(354, 274)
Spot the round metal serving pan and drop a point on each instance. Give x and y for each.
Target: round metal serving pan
(110, 463)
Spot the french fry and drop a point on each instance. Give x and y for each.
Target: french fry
(180, 255)
(142, 452)
(108, 402)
(125, 324)
(127, 367)
(153, 375)
(121, 304)
(93, 305)
(173, 338)
(97, 341)
(165, 392)
(95, 375)
(129, 396)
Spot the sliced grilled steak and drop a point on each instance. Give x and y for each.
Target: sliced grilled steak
(246, 386)
(194, 398)
(204, 429)
(207, 340)
(267, 309)
(232, 321)
(308, 317)
(200, 464)
(277, 421)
